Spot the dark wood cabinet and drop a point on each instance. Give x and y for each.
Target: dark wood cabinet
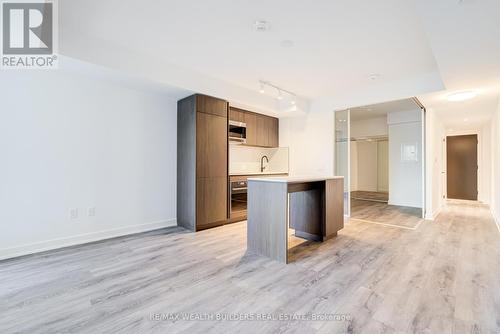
(261, 130)
(202, 165)
(211, 202)
(211, 145)
(251, 122)
(236, 115)
(211, 105)
(273, 140)
(267, 131)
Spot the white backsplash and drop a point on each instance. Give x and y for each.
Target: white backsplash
(246, 159)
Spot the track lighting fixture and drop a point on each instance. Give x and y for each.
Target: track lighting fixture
(281, 93)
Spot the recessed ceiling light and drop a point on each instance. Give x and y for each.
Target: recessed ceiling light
(466, 119)
(374, 76)
(261, 25)
(462, 96)
(287, 43)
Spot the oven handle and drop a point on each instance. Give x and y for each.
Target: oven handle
(244, 188)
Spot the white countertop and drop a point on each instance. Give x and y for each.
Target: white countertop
(257, 173)
(295, 179)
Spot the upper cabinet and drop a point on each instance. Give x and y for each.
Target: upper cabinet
(211, 105)
(261, 130)
(236, 115)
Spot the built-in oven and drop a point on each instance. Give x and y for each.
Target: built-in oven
(238, 191)
(237, 132)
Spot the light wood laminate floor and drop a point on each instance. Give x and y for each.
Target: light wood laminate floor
(440, 278)
(383, 213)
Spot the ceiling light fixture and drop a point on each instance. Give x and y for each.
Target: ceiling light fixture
(374, 76)
(462, 96)
(282, 93)
(466, 119)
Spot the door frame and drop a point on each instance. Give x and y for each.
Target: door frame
(479, 160)
(423, 119)
(348, 181)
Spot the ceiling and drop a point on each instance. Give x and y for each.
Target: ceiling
(465, 39)
(415, 48)
(382, 109)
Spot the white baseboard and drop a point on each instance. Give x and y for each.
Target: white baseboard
(496, 218)
(433, 215)
(46, 245)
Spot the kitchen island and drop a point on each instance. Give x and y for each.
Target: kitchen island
(312, 206)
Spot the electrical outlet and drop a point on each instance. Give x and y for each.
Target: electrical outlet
(91, 212)
(73, 213)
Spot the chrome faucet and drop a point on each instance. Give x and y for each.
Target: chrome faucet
(262, 163)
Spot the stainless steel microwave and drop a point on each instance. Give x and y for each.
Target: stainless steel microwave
(237, 132)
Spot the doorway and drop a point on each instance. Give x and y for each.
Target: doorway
(380, 152)
(462, 167)
(370, 169)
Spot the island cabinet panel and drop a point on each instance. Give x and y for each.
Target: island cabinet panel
(312, 207)
(202, 164)
(334, 207)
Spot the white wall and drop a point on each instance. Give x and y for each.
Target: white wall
(405, 177)
(310, 139)
(72, 141)
(485, 165)
(495, 175)
(383, 166)
(435, 134)
(367, 165)
(373, 127)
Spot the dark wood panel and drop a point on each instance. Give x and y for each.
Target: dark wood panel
(262, 131)
(296, 187)
(211, 201)
(461, 167)
(236, 114)
(273, 132)
(211, 105)
(186, 162)
(334, 207)
(306, 212)
(211, 145)
(251, 122)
